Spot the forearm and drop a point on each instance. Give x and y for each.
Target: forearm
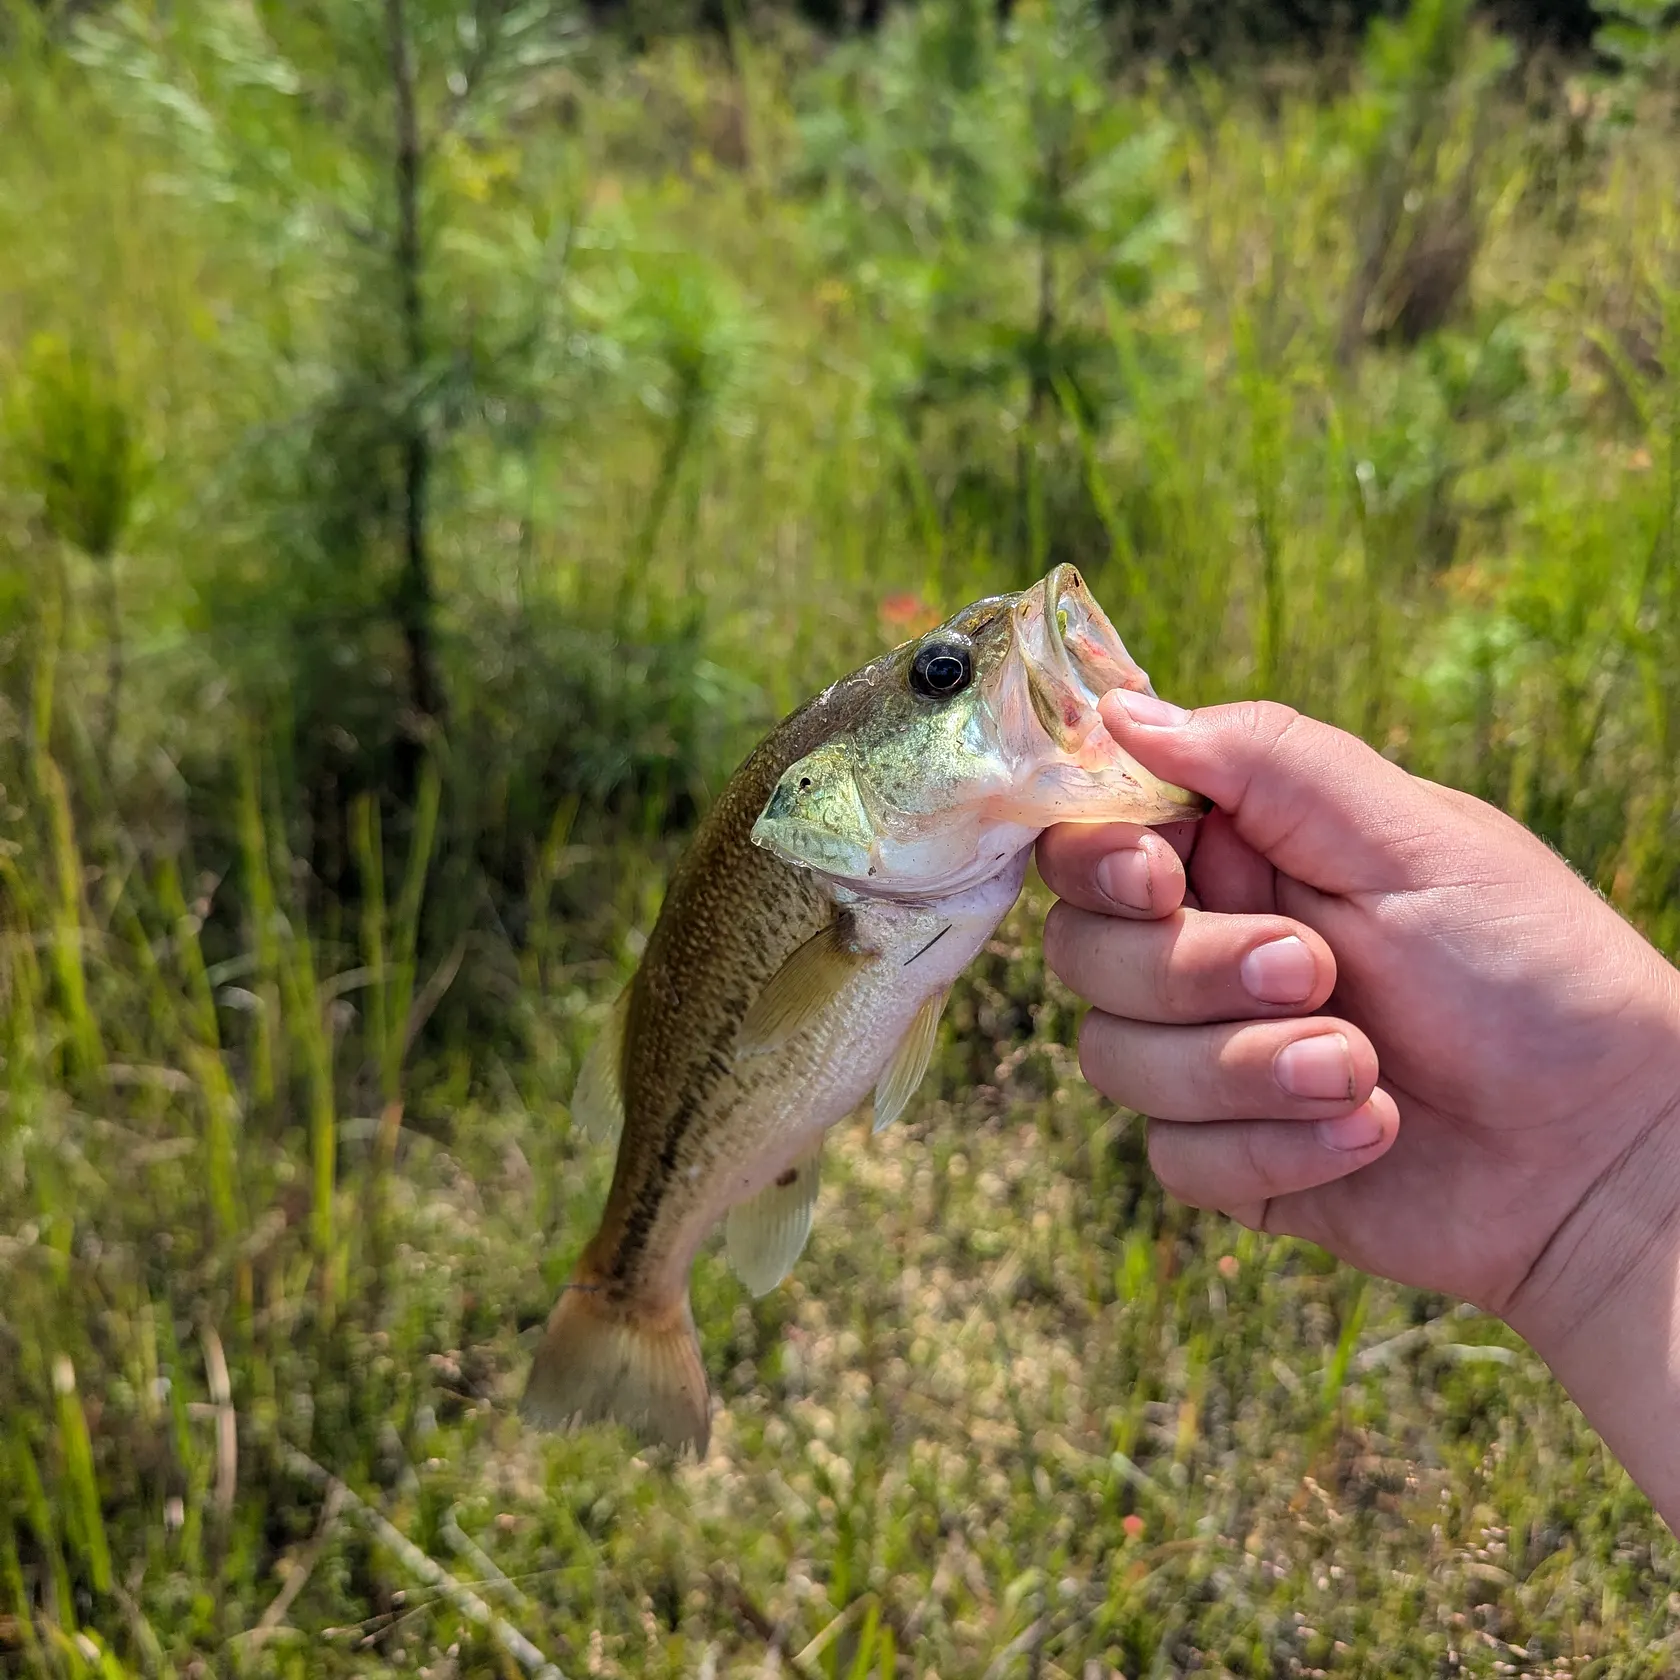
(1602, 1308)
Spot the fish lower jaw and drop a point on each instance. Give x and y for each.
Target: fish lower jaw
(992, 871)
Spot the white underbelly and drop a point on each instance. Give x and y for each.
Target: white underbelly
(833, 1066)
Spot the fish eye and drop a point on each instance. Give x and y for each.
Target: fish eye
(941, 669)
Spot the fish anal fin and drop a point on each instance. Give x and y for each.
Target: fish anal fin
(803, 987)
(604, 1361)
(899, 1079)
(766, 1234)
(598, 1096)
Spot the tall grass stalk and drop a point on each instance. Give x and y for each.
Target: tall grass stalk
(206, 1063)
(839, 341)
(86, 1522)
(70, 930)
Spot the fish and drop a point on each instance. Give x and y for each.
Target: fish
(848, 872)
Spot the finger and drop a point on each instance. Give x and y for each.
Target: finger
(1261, 1070)
(1115, 869)
(1192, 966)
(1226, 873)
(1181, 836)
(1241, 1166)
(1317, 802)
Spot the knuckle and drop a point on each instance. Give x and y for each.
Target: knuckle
(1096, 1058)
(1057, 937)
(1165, 1161)
(1174, 987)
(1265, 723)
(1261, 1178)
(1243, 1055)
(1080, 949)
(1121, 1062)
(1052, 853)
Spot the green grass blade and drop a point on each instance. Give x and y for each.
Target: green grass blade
(86, 1520)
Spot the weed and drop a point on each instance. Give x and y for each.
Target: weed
(702, 370)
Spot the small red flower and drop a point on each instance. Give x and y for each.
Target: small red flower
(907, 615)
(1133, 1525)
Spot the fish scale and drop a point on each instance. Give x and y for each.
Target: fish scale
(851, 869)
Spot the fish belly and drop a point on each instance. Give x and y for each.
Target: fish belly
(797, 1093)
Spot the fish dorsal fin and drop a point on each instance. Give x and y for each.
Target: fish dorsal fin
(765, 1234)
(803, 987)
(899, 1079)
(598, 1096)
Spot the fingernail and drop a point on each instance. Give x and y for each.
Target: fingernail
(1358, 1130)
(1146, 709)
(1282, 971)
(1123, 878)
(1319, 1068)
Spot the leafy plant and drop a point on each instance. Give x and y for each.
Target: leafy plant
(74, 435)
(994, 201)
(1641, 38)
(1421, 129)
(289, 1021)
(351, 113)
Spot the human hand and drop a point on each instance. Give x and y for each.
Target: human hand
(1485, 1055)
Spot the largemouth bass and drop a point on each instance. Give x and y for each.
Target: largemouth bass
(851, 869)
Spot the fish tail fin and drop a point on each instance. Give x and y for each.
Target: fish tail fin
(604, 1359)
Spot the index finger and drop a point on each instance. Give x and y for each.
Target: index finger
(1117, 869)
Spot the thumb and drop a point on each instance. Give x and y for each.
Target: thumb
(1314, 801)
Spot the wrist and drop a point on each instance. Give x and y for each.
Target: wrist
(1601, 1304)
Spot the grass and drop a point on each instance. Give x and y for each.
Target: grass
(1356, 389)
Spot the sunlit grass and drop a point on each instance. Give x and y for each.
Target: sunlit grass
(285, 1159)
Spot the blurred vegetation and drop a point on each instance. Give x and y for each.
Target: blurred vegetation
(436, 439)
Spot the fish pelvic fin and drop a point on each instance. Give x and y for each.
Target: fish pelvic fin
(909, 1064)
(766, 1234)
(604, 1360)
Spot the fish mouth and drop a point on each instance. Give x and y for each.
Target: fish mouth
(930, 809)
(1071, 656)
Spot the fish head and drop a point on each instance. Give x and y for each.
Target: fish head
(968, 742)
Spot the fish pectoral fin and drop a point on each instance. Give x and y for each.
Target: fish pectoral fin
(803, 987)
(899, 1079)
(766, 1234)
(598, 1096)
